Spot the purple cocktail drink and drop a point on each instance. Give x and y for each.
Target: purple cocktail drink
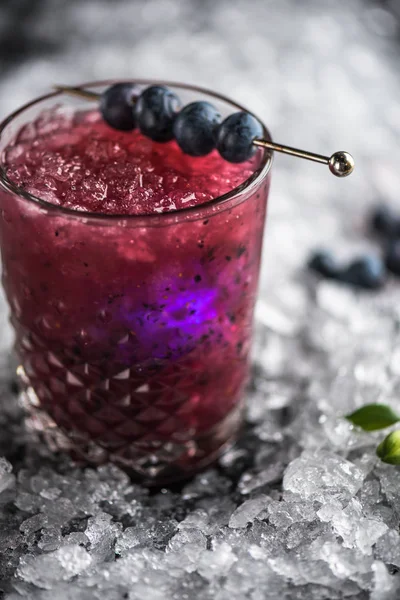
(131, 272)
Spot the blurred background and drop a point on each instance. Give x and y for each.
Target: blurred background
(323, 75)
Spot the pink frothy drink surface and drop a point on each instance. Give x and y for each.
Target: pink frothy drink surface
(85, 165)
(133, 335)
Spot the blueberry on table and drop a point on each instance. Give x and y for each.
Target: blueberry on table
(117, 106)
(367, 272)
(385, 221)
(324, 263)
(235, 137)
(392, 258)
(195, 128)
(155, 112)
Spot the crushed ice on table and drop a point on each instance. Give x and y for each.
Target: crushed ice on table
(300, 508)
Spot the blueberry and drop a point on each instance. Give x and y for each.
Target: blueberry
(116, 106)
(392, 257)
(323, 262)
(385, 221)
(195, 128)
(235, 137)
(367, 272)
(155, 112)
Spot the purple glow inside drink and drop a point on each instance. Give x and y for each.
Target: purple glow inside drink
(133, 325)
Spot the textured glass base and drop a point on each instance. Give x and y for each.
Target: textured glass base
(152, 462)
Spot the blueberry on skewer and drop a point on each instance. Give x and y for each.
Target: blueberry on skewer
(117, 106)
(236, 136)
(195, 128)
(156, 110)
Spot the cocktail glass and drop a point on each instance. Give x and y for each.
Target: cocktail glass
(133, 332)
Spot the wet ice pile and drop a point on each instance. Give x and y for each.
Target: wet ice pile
(300, 509)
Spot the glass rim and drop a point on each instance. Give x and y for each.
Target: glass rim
(160, 218)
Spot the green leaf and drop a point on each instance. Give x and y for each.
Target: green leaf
(373, 416)
(389, 450)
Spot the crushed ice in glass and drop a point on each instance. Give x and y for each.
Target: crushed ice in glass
(300, 508)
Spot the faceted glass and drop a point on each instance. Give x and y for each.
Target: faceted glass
(133, 332)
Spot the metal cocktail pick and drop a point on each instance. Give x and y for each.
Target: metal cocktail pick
(340, 163)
